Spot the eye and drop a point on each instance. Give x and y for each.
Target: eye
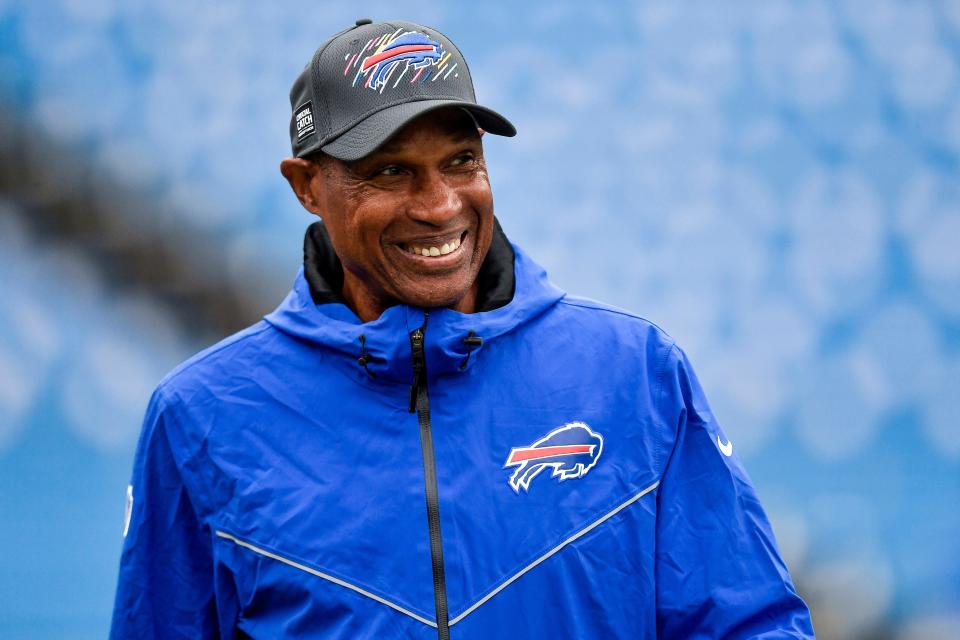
(390, 170)
(462, 159)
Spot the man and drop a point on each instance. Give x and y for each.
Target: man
(427, 438)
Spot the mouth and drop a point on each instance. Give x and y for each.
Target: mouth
(434, 248)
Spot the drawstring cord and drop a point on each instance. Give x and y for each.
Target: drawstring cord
(365, 358)
(472, 341)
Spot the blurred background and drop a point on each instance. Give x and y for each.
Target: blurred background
(775, 183)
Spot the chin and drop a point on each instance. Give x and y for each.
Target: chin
(437, 297)
(434, 302)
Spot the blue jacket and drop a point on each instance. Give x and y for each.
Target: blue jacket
(546, 468)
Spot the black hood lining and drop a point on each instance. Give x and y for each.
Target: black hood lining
(324, 273)
(321, 266)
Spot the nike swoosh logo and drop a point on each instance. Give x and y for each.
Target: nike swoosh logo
(725, 449)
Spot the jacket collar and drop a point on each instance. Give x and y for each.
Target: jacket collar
(512, 291)
(324, 273)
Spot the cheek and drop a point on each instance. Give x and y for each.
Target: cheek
(348, 235)
(365, 228)
(481, 201)
(479, 195)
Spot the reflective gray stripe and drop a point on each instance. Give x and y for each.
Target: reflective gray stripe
(476, 605)
(320, 574)
(578, 534)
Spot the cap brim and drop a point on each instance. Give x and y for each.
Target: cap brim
(368, 134)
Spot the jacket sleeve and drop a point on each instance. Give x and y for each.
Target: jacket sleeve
(166, 584)
(719, 573)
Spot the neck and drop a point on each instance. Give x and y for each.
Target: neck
(368, 307)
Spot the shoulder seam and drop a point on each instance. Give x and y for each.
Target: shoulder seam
(585, 303)
(590, 304)
(169, 409)
(238, 337)
(661, 377)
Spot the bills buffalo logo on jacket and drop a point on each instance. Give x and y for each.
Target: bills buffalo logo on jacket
(571, 451)
(388, 60)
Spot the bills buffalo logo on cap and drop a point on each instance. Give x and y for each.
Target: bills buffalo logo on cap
(571, 451)
(387, 60)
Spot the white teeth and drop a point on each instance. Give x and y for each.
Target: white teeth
(432, 252)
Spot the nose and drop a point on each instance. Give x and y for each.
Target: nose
(434, 201)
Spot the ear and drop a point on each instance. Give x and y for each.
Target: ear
(300, 173)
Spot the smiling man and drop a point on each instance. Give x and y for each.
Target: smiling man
(427, 439)
(414, 218)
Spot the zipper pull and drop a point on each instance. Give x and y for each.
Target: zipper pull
(416, 344)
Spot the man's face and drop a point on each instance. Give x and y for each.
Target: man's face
(412, 221)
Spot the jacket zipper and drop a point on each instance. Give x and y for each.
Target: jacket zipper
(420, 402)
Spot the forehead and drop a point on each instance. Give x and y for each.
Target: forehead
(450, 124)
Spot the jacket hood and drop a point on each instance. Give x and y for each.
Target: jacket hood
(513, 291)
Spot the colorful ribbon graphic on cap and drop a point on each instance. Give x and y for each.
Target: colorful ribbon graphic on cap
(388, 59)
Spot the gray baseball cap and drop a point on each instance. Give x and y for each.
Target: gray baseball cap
(369, 80)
